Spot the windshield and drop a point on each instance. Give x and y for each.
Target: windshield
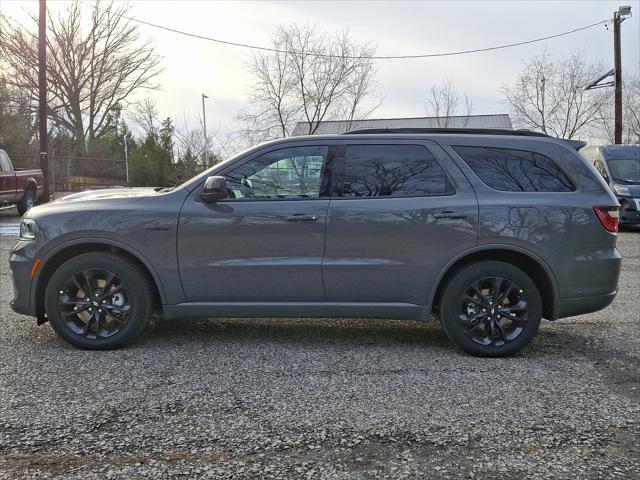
(625, 170)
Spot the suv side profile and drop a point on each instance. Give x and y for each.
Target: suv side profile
(489, 230)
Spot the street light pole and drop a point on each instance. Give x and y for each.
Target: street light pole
(126, 158)
(204, 125)
(42, 98)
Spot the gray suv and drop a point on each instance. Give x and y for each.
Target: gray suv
(488, 230)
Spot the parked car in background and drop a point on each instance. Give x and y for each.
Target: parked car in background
(19, 187)
(619, 165)
(491, 230)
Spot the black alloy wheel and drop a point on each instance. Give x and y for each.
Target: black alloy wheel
(491, 309)
(94, 303)
(99, 300)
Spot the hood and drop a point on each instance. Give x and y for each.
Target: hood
(634, 189)
(107, 194)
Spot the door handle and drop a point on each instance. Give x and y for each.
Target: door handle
(301, 217)
(450, 215)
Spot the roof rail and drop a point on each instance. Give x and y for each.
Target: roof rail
(473, 131)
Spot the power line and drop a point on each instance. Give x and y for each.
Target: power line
(373, 57)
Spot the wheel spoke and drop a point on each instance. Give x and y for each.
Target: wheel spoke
(516, 318)
(501, 331)
(108, 283)
(80, 287)
(476, 289)
(114, 318)
(473, 322)
(117, 308)
(521, 305)
(67, 300)
(87, 282)
(496, 284)
(75, 312)
(474, 327)
(86, 326)
(95, 318)
(506, 291)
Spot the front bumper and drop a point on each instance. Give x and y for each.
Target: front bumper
(21, 262)
(629, 210)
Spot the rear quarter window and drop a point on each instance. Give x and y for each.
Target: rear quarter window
(515, 170)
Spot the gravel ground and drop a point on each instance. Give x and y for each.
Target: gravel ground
(345, 399)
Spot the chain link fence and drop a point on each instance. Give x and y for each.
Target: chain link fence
(74, 174)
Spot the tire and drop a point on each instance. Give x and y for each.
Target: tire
(108, 312)
(27, 201)
(476, 317)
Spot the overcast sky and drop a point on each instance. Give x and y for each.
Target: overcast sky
(193, 66)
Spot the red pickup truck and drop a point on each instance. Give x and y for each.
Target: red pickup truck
(21, 188)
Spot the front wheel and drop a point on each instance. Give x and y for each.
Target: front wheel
(98, 301)
(491, 309)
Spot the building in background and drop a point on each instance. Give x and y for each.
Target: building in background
(500, 120)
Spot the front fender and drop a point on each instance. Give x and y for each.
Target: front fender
(59, 247)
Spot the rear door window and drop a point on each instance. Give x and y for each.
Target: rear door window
(515, 170)
(391, 171)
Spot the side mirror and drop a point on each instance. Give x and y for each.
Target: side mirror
(215, 188)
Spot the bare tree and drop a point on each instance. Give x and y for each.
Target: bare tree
(630, 113)
(192, 145)
(92, 70)
(444, 102)
(631, 101)
(548, 95)
(145, 115)
(311, 76)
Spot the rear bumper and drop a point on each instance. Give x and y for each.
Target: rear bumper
(569, 307)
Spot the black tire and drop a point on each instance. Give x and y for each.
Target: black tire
(27, 201)
(132, 283)
(470, 320)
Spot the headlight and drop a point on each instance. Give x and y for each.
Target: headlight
(28, 229)
(621, 189)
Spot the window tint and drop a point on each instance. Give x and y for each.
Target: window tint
(289, 172)
(392, 171)
(515, 170)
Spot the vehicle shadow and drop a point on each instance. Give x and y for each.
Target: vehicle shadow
(296, 331)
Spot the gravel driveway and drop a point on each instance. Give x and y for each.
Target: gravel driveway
(323, 399)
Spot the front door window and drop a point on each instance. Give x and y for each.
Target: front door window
(293, 172)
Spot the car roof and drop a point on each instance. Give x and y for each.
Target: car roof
(610, 152)
(442, 134)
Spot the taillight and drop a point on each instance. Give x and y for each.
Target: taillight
(609, 216)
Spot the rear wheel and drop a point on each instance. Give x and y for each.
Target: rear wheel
(27, 201)
(491, 309)
(98, 301)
